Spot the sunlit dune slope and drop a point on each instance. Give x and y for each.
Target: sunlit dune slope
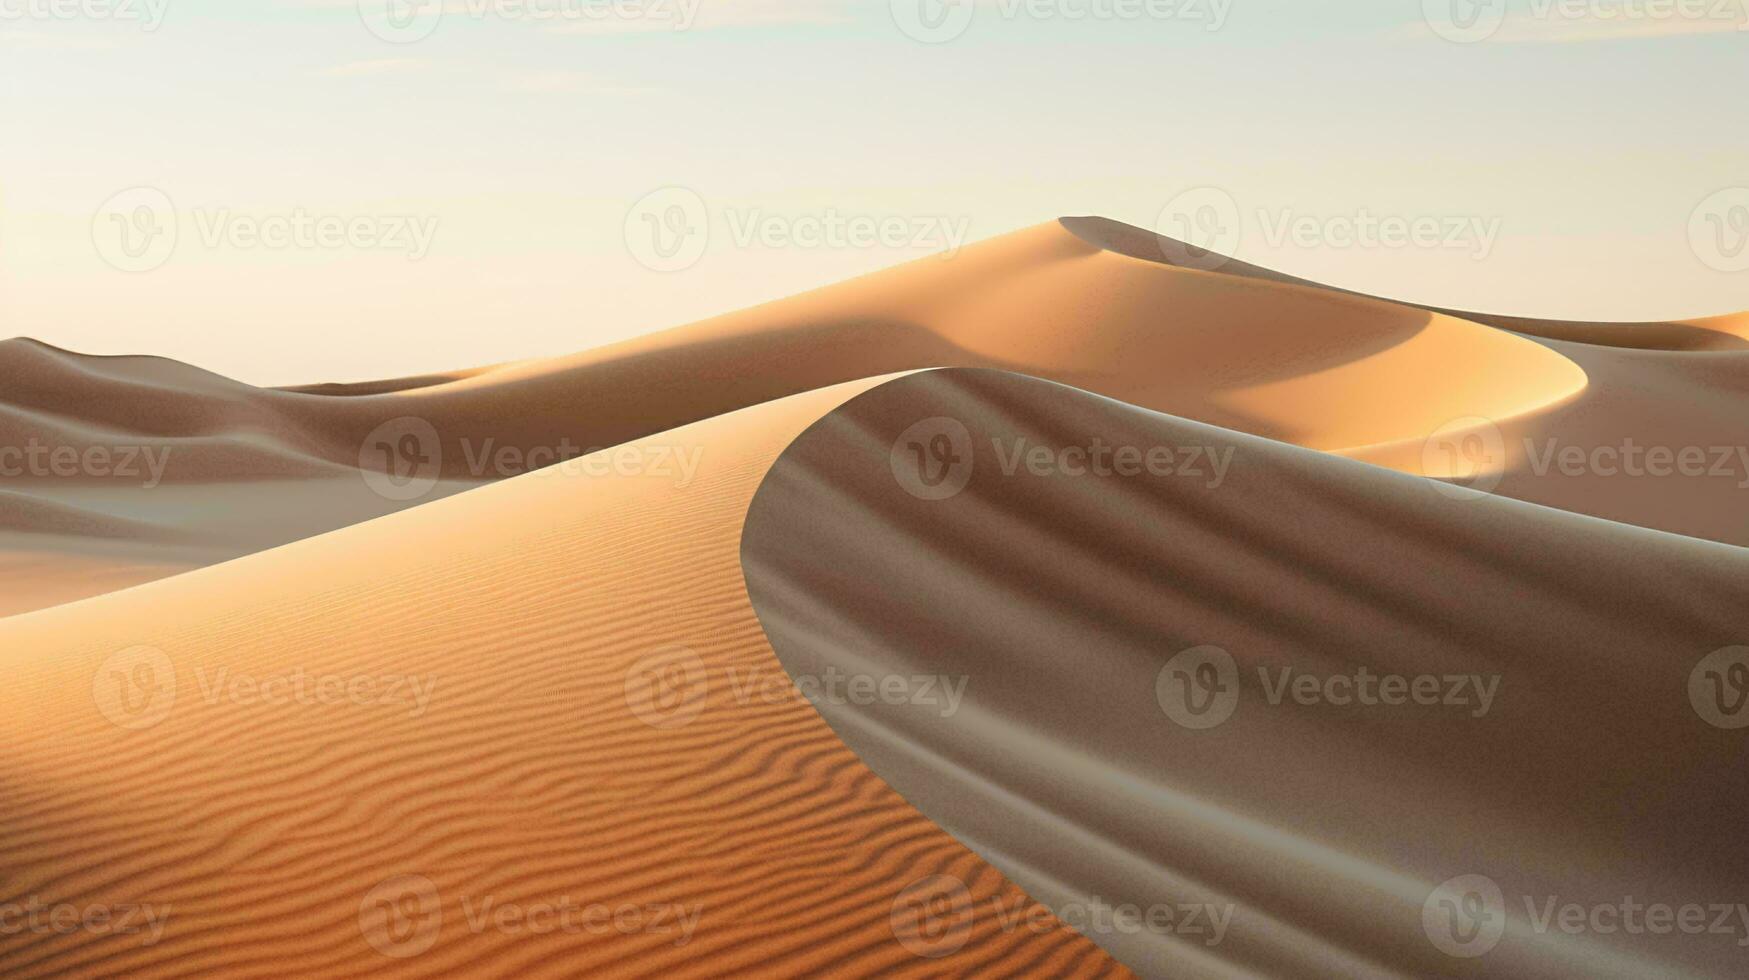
(404, 748)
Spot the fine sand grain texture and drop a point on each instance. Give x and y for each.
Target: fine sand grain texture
(407, 747)
(1133, 650)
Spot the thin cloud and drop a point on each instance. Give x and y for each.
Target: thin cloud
(1526, 28)
(559, 82)
(375, 66)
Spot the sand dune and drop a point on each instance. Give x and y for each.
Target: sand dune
(497, 736)
(1294, 362)
(1574, 768)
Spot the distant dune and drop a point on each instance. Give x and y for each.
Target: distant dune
(1085, 302)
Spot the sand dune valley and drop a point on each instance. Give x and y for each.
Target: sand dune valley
(1078, 605)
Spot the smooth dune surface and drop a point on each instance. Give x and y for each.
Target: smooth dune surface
(406, 747)
(1561, 752)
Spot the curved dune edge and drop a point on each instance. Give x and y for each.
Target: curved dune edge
(603, 722)
(1303, 365)
(1059, 602)
(1713, 333)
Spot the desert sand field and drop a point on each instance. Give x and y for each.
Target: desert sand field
(552, 667)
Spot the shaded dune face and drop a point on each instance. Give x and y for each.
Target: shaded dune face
(1162, 688)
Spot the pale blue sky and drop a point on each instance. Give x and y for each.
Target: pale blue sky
(1576, 144)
